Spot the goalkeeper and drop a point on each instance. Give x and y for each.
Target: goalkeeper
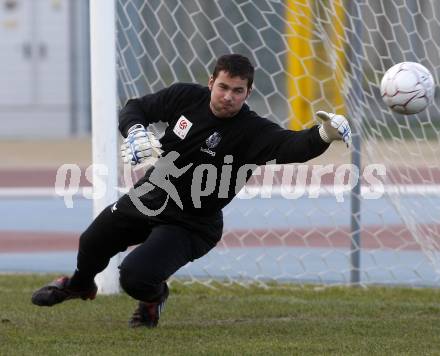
(174, 213)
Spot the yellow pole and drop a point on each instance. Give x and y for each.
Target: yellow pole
(300, 62)
(316, 70)
(338, 43)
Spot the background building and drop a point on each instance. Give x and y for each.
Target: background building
(44, 68)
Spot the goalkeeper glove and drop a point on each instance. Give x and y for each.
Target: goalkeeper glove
(334, 127)
(139, 145)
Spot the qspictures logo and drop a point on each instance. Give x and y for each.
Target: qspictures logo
(288, 181)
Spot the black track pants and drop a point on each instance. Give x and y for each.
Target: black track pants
(162, 249)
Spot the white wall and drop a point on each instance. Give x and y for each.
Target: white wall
(39, 69)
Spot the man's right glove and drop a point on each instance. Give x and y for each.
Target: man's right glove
(139, 145)
(334, 127)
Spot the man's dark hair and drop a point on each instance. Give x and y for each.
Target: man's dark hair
(235, 65)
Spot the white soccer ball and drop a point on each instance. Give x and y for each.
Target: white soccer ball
(407, 88)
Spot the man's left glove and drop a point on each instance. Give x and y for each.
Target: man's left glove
(139, 145)
(334, 127)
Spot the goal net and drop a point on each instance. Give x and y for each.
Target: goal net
(309, 223)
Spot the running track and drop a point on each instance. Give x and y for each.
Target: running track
(392, 235)
(44, 227)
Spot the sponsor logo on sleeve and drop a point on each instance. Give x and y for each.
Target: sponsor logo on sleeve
(182, 127)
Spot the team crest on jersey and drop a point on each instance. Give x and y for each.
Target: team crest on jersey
(212, 142)
(182, 127)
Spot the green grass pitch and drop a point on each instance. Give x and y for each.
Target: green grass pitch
(231, 320)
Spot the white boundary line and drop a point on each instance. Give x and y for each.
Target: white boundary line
(40, 192)
(254, 191)
(331, 190)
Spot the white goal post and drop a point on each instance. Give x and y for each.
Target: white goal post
(104, 120)
(309, 55)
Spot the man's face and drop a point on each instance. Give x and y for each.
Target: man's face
(228, 94)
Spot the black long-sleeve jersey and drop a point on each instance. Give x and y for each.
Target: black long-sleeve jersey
(217, 147)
